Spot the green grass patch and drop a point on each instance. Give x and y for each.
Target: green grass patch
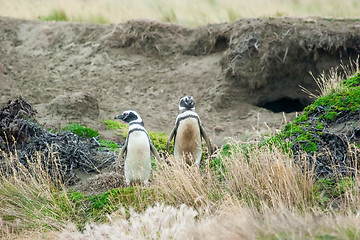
(55, 15)
(81, 130)
(96, 208)
(108, 144)
(348, 100)
(328, 189)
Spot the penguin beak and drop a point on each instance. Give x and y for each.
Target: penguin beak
(119, 117)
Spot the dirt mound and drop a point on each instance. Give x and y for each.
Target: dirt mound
(64, 152)
(74, 106)
(241, 74)
(101, 183)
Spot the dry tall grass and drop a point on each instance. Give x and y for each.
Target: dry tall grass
(330, 82)
(30, 197)
(257, 176)
(183, 12)
(257, 194)
(261, 195)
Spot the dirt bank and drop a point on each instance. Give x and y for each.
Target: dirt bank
(72, 72)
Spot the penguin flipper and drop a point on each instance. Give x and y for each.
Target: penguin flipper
(171, 136)
(207, 140)
(121, 154)
(155, 152)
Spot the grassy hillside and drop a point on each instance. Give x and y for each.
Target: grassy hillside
(183, 12)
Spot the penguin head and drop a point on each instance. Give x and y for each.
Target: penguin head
(130, 116)
(187, 103)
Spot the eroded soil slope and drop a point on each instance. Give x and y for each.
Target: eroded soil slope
(72, 72)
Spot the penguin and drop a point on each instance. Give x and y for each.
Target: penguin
(187, 133)
(136, 149)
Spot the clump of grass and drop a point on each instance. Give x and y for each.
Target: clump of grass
(260, 176)
(56, 15)
(31, 198)
(113, 146)
(328, 191)
(88, 132)
(159, 140)
(333, 81)
(96, 208)
(81, 130)
(280, 223)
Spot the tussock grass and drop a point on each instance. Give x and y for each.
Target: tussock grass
(331, 82)
(261, 176)
(261, 195)
(183, 12)
(30, 197)
(257, 193)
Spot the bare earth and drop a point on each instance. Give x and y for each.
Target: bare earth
(85, 73)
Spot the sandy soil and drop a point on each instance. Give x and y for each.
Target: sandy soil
(86, 73)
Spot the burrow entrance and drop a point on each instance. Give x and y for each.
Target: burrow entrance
(285, 104)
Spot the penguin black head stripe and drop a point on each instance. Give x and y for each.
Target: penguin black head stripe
(187, 103)
(130, 116)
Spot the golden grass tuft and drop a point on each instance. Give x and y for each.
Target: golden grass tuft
(260, 176)
(30, 197)
(330, 82)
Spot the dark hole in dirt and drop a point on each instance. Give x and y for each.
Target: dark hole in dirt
(221, 44)
(285, 104)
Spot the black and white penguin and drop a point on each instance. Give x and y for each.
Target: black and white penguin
(136, 149)
(187, 133)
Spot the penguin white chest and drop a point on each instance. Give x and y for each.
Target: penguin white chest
(138, 161)
(188, 141)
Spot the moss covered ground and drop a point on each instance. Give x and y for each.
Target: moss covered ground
(307, 130)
